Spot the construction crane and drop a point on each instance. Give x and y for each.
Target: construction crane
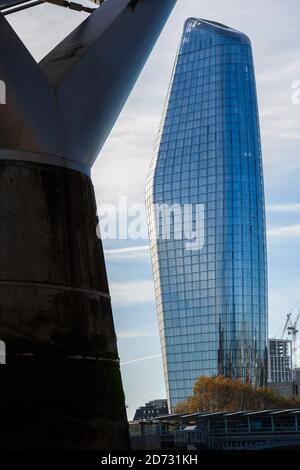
(290, 328)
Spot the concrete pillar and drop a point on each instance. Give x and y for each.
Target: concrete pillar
(61, 387)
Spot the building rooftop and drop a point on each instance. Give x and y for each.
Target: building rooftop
(202, 416)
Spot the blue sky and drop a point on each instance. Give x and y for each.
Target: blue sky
(121, 169)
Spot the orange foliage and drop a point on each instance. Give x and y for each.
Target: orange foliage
(212, 394)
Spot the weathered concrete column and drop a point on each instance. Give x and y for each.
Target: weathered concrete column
(55, 315)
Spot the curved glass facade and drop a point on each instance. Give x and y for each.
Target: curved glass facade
(211, 301)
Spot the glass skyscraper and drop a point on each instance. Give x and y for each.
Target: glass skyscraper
(211, 301)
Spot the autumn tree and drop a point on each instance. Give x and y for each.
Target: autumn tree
(212, 394)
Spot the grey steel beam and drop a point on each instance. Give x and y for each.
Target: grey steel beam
(52, 97)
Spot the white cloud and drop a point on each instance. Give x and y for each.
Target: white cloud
(286, 71)
(131, 292)
(269, 111)
(126, 157)
(42, 27)
(291, 135)
(128, 252)
(140, 359)
(282, 208)
(130, 334)
(289, 231)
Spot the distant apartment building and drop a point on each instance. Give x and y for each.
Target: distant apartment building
(151, 410)
(280, 367)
